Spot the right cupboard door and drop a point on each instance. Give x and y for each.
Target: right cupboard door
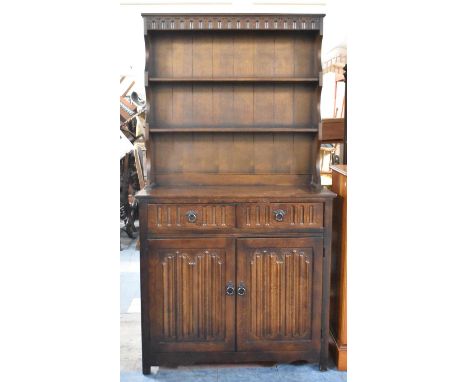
(279, 294)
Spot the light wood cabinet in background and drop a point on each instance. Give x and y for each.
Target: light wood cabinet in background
(338, 300)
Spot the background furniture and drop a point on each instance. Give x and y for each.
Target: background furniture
(338, 301)
(331, 130)
(345, 146)
(235, 228)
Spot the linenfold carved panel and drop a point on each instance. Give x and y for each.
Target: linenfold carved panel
(234, 22)
(193, 303)
(170, 216)
(280, 295)
(296, 215)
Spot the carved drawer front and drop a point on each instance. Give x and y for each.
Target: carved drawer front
(280, 215)
(190, 216)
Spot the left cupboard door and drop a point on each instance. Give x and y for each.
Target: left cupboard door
(190, 306)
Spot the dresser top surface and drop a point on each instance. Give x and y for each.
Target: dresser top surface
(341, 168)
(234, 193)
(233, 14)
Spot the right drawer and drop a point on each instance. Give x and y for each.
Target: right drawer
(280, 215)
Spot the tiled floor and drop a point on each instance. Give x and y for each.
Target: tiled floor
(130, 344)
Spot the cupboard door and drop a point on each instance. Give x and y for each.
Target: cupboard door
(280, 307)
(189, 308)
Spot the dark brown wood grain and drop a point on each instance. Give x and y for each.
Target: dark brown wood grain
(234, 197)
(327, 240)
(209, 194)
(189, 358)
(227, 82)
(230, 22)
(173, 217)
(188, 307)
(232, 158)
(331, 130)
(282, 306)
(297, 215)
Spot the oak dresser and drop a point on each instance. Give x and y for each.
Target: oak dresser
(235, 227)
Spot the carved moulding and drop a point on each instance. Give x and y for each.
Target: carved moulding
(233, 22)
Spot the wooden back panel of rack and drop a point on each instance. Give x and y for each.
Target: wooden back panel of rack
(233, 107)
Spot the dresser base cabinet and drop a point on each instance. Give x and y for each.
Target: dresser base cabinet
(235, 294)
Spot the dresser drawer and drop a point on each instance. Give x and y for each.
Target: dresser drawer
(164, 217)
(280, 215)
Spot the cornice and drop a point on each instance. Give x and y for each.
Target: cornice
(232, 22)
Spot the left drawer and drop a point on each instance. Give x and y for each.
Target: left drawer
(164, 217)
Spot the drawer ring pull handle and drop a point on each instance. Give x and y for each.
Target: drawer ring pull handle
(279, 215)
(191, 216)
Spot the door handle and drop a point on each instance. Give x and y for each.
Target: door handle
(230, 290)
(241, 289)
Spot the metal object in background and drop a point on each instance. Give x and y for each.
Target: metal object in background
(137, 100)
